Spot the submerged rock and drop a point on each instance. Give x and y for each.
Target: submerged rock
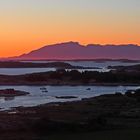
(88, 89)
(65, 97)
(12, 93)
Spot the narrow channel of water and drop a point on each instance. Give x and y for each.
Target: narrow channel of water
(38, 94)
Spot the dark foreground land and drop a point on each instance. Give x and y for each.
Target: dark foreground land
(107, 117)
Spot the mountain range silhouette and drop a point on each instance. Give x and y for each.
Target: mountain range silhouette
(74, 50)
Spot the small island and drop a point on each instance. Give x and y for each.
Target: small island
(65, 97)
(12, 93)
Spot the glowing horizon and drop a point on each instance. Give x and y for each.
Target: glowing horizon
(30, 24)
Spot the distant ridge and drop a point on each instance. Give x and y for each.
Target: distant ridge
(74, 50)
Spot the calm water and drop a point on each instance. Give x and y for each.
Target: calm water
(19, 71)
(37, 97)
(102, 65)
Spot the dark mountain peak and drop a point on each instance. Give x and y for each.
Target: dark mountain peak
(65, 44)
(69, 43)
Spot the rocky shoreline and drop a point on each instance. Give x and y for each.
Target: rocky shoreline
(105, 112)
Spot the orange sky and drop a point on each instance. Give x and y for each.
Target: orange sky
(28, 25)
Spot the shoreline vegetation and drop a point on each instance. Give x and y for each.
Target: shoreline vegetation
(127, 75)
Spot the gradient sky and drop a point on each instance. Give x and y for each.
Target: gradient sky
(29, 24)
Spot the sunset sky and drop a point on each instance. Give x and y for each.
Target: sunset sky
(26, 25)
